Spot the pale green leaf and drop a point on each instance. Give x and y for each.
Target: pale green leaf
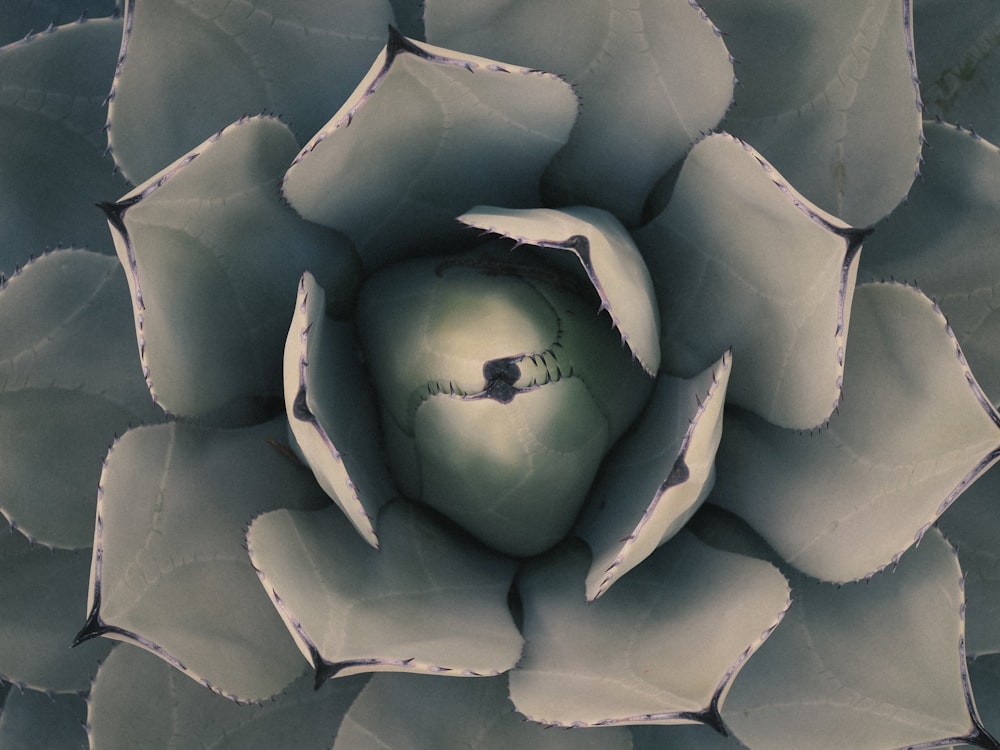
(660, 647)
(828, 95)
(426, 135)
(972, 524)
(170, 571)
(138, 702)
(23, 17)
(42, 591)
(421, 712)
(190, 68)
(608, 255)
(332, 412)
(740, 260)
(958, 64)
(214, 256)
(52, 163)
(651, 76)
(945, 240)
(31, 720)
(69, 382)
(914, 431)
(866, 665)
(656, 477)
(432, 600)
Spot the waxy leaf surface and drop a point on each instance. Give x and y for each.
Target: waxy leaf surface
(431, 600)
(740, 260)
(660, 647)
(52, 162)
(139, 701)
(814, 677)
(828, 95)
(216, 62)
(23, 17)
(214, 256)
(32, 720)
(170, 572)
(913, 432)
(421, 712)
(651, 77)
(427, 134)
(656, 477)
(69, 383)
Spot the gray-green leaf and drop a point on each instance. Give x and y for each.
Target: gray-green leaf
(32, 720)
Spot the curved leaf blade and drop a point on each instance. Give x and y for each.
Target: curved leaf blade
(170, 572)
(674, 612)
(652, 77)
(431, 600)
(741, 260)
(656, 477)
(450, 132)
(31, 719)
(608, 255)
(213, 255)
(28, 17)
(913, 433)
(218, 63)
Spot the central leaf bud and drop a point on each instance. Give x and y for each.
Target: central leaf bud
(501, 389)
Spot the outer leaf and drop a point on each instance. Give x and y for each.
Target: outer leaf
(69, 382)
(32, 720)
(682, 737)
(432, 601)
(24, 17)
(945, 239)
(813, 680)
(420, 712)
(608, 255)
(170, 572)
(661, 647)
(656, 477)
(331, 411)
(449, 132)
(213, 255)
(740, 259)
(52, 163)
(956, 55)
(914, 432)
(42, 592)
(190, 68)
(138, 701)
(973, 525)
(985, 676)
(828, 94)
(651, 76)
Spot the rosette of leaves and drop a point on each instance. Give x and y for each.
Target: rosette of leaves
(438, 373)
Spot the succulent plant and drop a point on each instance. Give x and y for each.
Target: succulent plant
(437, 373)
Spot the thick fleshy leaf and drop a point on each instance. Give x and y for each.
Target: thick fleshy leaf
(24, 17)
(740, 260)
(656, 477)
(973, 525)
(420, 712)
(32, 720)
(985, 676)
(866, 665)
(214, 256)
(661, 647)
(651, 76)
(52, 162)
(913, 433)
(170, 571)
(431, 600)
(138, 701)
(426, 135)
(608, 255)
(945, 239)
(190, 68)
(956, 56)
(682, 737)
(42, 594)
(828, 94)
(69, 382)
(331, 410)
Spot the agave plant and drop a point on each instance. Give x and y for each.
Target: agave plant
(439, 373)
